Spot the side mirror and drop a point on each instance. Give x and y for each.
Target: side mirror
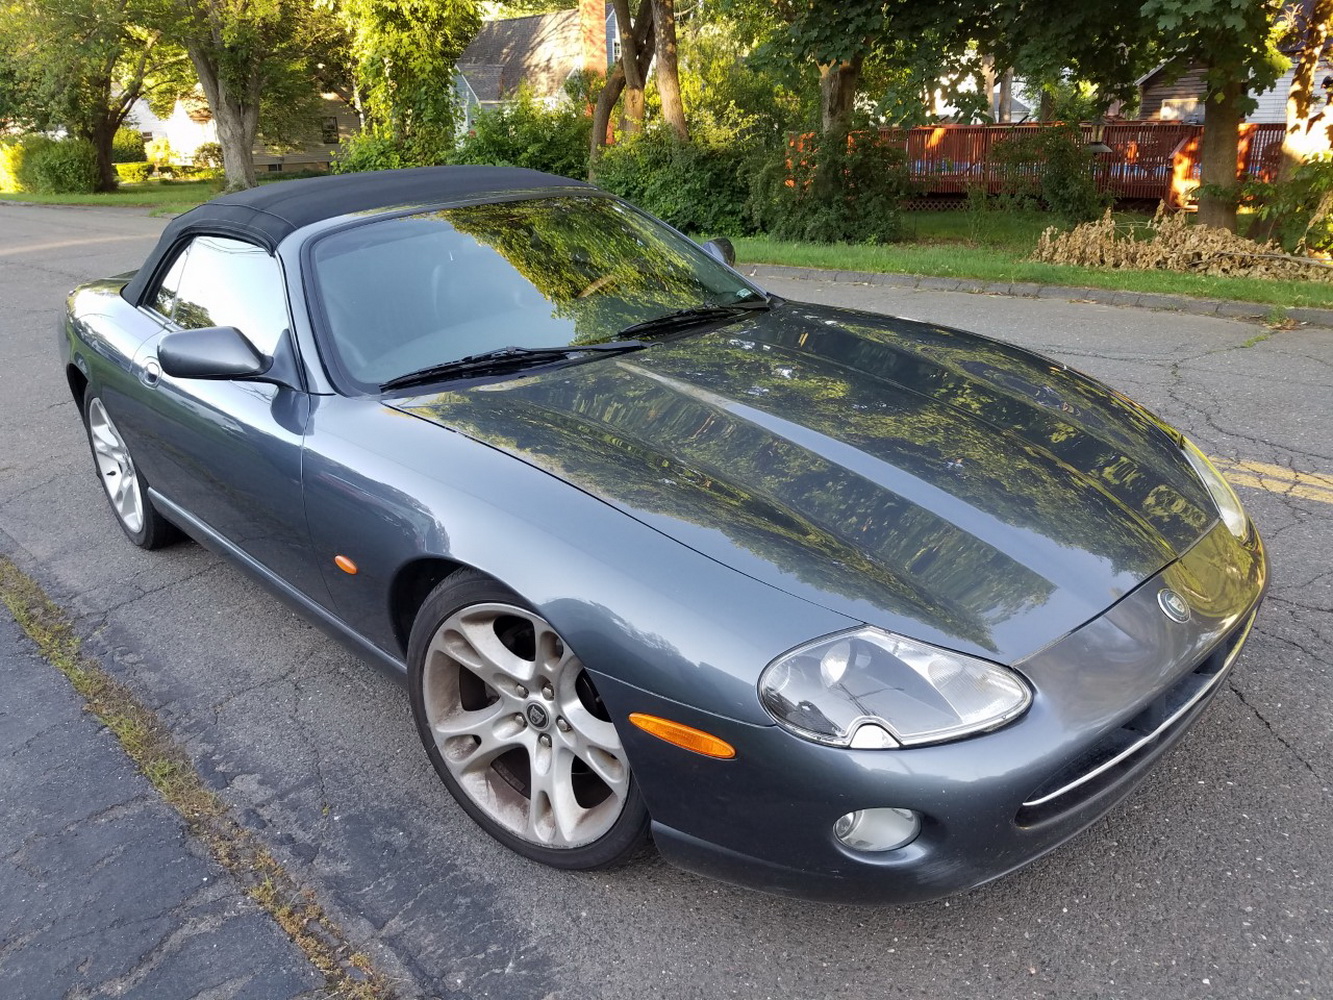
(213, 352)
(722, 249)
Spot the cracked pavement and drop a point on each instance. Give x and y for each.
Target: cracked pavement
(1213, 880)
(105, 894)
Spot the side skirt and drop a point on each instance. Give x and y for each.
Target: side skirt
(293, 598)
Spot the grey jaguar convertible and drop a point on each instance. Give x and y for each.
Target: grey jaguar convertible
(825, 603)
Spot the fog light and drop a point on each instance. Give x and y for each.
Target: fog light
(878, 829)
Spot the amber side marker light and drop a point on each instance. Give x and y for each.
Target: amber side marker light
(684, 736)
(345, 564)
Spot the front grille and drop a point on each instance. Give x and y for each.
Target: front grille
(1125, 750)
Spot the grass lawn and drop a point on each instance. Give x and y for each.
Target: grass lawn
(164, 197)
(994, 246)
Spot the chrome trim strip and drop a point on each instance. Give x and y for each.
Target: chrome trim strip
(1171, 720)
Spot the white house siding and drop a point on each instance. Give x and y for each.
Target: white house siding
(186, 135)
(1273, 103)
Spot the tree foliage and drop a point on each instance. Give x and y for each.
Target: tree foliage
(246, 53)
(80, 65)
(403, 54)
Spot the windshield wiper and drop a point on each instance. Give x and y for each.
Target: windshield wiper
(505, 359)
(694, 316)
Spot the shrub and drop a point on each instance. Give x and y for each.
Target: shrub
(68, 166)
(133, 173)
(159, 152)
(699, 187)
(1297, 212)
(1050, 166)
(127, 146)
(841, 188)
(524, 133)
(18, 159)
(1173, 243)
(208, 155)
(366, 151)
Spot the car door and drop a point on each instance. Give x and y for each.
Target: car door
(228, 452)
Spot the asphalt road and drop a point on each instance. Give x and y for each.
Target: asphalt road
(1214, 880)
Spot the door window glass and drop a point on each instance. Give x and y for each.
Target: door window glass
(229, 283)
(164, 301)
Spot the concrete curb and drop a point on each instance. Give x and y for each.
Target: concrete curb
(1069, 293)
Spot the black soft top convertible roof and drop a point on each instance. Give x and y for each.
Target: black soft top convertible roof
(269, 213)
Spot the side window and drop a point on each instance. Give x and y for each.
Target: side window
(164, 300)
(226, 282)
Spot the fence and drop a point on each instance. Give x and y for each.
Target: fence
(1149, 160)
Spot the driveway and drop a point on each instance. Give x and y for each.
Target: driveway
(1214, 879)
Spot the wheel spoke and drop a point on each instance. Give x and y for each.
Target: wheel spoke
(465, 723)
(473, 753)
(553, 656)
(553, 812)
(609, 768)
(485, 655)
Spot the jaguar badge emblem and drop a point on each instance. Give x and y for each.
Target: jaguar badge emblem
(1173, 605)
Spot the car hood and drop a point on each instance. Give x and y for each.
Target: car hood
(923, 479)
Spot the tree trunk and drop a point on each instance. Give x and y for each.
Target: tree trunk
(838, 84)
(236, 117)
(988, 84)
(1007, 97)
(103, 137)
(637, 42)
(668, 73)
(1313, 35)
(1218, 156)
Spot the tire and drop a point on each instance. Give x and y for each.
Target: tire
(126, 488)
(511, 720)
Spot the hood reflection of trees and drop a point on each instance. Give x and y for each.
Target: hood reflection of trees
(1060, 460)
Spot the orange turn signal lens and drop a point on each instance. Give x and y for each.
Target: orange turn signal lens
(684, 736)
(345, 564)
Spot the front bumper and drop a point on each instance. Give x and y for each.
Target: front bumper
(1110, 699)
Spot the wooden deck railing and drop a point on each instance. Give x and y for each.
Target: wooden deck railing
(1258, 157)
(1148, 160)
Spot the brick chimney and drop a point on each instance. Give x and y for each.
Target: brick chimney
(592, 28)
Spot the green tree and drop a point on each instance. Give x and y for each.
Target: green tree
(1113, 42)
(80, 65)
(524, 8)
(403, 54)
(840, 39)
(1236, 41)
(245, 52)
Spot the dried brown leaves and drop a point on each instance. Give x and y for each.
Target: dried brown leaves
(1171, 243)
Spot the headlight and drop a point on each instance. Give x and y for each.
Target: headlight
(867, 688)
(1228, 504)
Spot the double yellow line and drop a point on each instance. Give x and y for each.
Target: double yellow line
(1277, 479)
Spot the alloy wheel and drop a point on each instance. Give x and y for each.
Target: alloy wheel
(116, 468)
(518, 724)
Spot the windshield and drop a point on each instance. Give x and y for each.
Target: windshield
(403, 294)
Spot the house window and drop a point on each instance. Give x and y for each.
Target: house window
(146, 136)
(329, 131)
(275, 168)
